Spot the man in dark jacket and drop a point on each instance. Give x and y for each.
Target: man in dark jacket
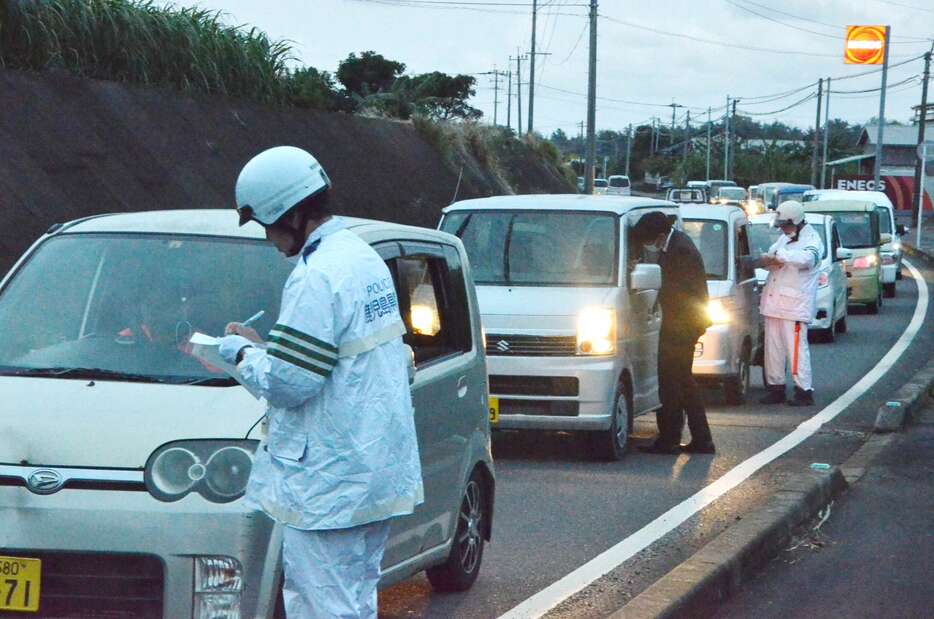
(683, 300)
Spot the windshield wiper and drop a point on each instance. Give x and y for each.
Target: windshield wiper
(80, 372)
(210, 381)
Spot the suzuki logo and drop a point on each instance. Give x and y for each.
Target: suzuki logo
(502, 346)
(45, 481)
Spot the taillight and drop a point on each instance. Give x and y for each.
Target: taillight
(865, 262)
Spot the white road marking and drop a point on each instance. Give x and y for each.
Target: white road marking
(557, 592)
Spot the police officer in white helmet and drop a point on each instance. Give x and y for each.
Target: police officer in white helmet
(787, 304)
(340, 457)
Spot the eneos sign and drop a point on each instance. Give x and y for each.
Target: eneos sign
(864, 45)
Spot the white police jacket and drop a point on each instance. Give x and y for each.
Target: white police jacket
(341, 448)
(790, 291)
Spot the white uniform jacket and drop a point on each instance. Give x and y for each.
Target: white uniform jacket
(341, 448)
(790, 291)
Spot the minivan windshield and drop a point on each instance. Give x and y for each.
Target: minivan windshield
(124, 306)
(855, 228)
(732, 193)
(763, 236)
(541, 248)
(600, 182)
(710, 238)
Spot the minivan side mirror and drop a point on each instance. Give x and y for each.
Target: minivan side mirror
(646, 277)
(884, 238)
(901, 230)
(844, 254)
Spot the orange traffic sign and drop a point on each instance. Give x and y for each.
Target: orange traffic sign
(864, 45)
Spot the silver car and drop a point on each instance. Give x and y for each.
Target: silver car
(99, 384)
(725, 352)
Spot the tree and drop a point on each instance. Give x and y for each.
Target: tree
(309, 87)
(443, 97)
(370, 73)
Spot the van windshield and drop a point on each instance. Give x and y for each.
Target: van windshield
(554, 248)
(761, 237)
(124, 306)
(619, 181)
(855, 228)
(710, 238)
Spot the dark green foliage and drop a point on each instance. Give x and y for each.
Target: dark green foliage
(369, 73)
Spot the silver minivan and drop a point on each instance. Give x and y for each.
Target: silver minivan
(97, 375)
(725, 352)
(571, 319)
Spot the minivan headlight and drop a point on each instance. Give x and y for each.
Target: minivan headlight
(596, 331)
(216, 469)
(718, 312)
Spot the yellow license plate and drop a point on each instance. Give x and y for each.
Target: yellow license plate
(494, 410)
(19, 583)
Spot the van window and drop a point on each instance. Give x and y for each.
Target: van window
(856, 228)
(885, 219)
(619, 181)
(542, 248)
(710, 238)
(436, 318)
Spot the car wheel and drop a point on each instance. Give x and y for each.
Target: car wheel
(889, 290)
(611, 444)
(736, 387)
(840, 326)
(873, 308)
(460, 570)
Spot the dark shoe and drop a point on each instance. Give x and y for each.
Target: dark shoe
(659, 448)
(775, 395)
(802, 398)
(699, 448)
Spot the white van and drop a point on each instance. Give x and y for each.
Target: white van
(619, 185)
(571, 320)
(891, 251)
(106, 509)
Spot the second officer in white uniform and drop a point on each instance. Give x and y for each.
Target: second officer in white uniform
(787, 304)
(340, 458)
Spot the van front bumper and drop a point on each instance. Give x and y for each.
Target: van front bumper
(714, 354)
(91, 529)
(554, 393)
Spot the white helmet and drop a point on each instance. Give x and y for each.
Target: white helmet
(789, 213)
(274, 181)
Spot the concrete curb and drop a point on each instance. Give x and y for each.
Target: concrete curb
(920, 254)
(695, 588)
(894, 414)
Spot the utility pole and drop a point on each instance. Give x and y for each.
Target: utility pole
(726, 139)
(532, 67)
(628, 147)
(519, 58)
(732, 140)
(673, 106)
(823, 167)
(877, 168)
(509, 100)
(583, 153)
(652, 140)
(496, 75)
(591, 100)
(820, 92)
(687, 136)
(922, 119)
(708, 143)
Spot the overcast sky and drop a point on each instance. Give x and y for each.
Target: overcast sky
(634, 63)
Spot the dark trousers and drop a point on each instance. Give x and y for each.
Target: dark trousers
(679, 394)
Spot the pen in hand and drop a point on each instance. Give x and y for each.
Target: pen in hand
(253, 318)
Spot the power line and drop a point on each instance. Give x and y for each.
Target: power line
(811, 95)
(906, 6)
(852, 92)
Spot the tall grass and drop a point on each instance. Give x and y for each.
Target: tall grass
(187, 49)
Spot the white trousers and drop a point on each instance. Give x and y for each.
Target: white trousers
(333, 574)
(783, 348)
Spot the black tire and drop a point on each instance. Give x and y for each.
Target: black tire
(736, 387)
(889, 290)
(611, 444)
(898, 273)
(840, 326)
(873, 308)
(460, 570)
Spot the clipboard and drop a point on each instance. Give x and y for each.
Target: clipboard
(205, 347)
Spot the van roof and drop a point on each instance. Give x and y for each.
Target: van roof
(708, 211)
(766, 218)
(209, 222)
(560, 202)
(824, 206)
(877, 197)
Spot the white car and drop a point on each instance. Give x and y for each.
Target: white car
(124, 457)
(890, 252)
(600, 186)
(571, 319)
(728, 348)
(619, 185)
(831, 310)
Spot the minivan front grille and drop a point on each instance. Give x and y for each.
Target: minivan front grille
(92, 585)
(531, 345)
(567, 386)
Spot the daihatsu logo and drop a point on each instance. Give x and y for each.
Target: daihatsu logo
(45, 481)
(502, 346)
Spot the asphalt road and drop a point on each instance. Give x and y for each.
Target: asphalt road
(556, 509)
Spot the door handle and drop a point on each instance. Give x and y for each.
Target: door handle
(462, 386)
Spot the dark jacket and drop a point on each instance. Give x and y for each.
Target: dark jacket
(683, 296)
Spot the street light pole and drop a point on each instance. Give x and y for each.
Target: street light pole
(877, 168)
(823, 166)
(820, 92)
(628, 148)
(726, 139)
(708, 144)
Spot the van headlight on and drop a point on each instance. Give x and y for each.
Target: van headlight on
(596, 331)
(718, 312)
(218, 470)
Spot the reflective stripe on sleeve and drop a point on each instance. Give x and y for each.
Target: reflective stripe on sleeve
(301, 349)
(816, 253)
(299, 360)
